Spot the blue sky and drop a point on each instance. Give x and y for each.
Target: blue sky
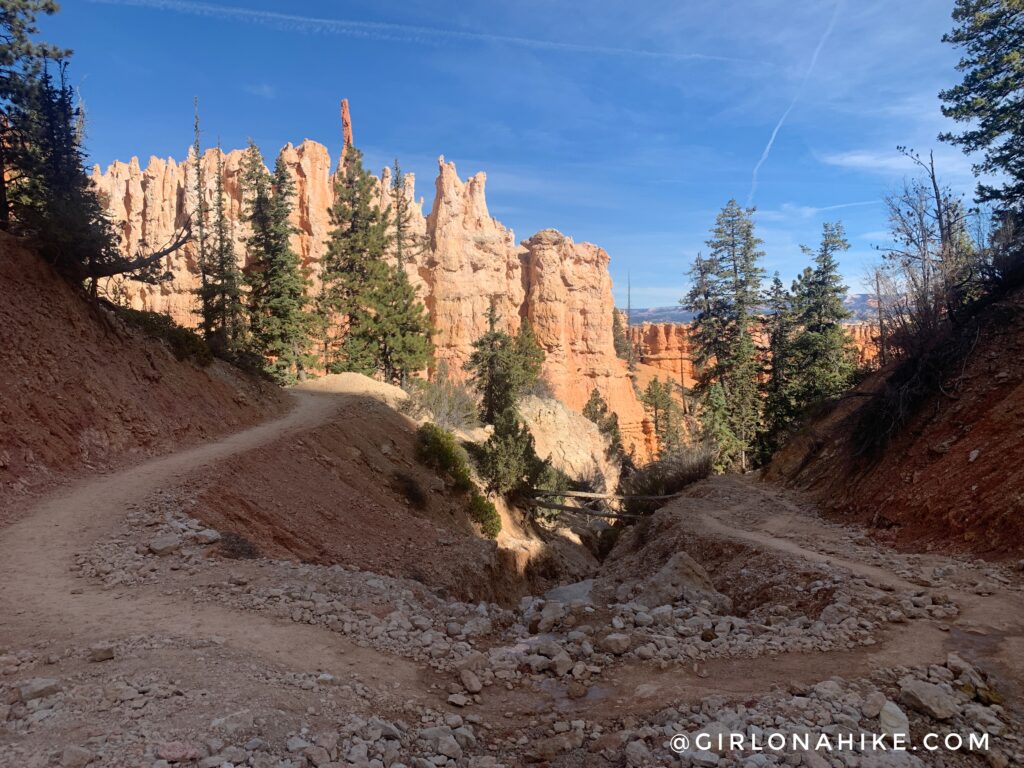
(624, 124)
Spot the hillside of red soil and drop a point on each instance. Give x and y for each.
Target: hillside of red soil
(352, 492)
(80, 390)
(952, 478)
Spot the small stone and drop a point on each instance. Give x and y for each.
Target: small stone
(101, 652)
(576, 690)
(38, 688)
(616, 643)
(208, 536)
(892, 721)
(458, 700)
(76, 757)
(928, 698)
(165, 545)
(297, 744)
(637, 754)
(179, 751)
(470, 681)
(872, 705)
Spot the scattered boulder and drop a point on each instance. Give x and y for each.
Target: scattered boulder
(616, 643)
(208, 536)
(893, 721)
(38, 688)
(76, 757)
(928, 698)
(166, 544)
(101, 652)
(681, 578)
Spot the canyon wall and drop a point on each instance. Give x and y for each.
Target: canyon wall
(663, 349)
(467, 261)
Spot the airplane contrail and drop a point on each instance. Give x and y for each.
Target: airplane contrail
(796, 98)
(398, 32)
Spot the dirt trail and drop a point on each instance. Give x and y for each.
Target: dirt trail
(41, 600)
(987, 631)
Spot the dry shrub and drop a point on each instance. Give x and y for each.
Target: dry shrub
(667, 475)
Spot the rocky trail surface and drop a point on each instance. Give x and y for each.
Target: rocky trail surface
(132, 635)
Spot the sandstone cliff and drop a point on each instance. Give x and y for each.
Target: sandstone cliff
(664, 348)
(466, 261)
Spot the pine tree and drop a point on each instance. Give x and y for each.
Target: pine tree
(199, 219)
(406, 244)
(45, 190)
(990, 97)
(716, 427)
(224, 281)
(620, 336)
(502, 367)
(596, 410)
(22, 61)
(823, 351)
(665, 413)
(386, 329)
(723, 298)
(351, 265)
(277, 301)
(390, 333)
(780, 406)
(509, 459)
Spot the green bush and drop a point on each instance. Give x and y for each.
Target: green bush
(509, 460)
(438, 449)
(667, 475)
(185, 344)
(483, 512)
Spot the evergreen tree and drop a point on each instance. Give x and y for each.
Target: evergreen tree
(509, 460)
(351, 265)
(277, 301)
(716, 427)
(502, 367)
(780, 405)
(665, 413)
(823, 351)
(386, 329)
(620, 336)
(990, 98)
(45, 190)
(22, 61)
(199, 219)
(723, 299)
(224, 279)
(596, 410)
(406, 244)
(390, 333)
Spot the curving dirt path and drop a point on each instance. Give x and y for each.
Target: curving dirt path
(989, 632)
(42, 601)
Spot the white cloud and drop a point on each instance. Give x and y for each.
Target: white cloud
(790, 211)
(263, 90)
(407, 33)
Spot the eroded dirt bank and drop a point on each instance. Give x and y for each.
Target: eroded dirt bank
(127, 640)
(82, 391)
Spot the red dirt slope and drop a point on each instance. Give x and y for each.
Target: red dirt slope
(79, 390)
(953, 478)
